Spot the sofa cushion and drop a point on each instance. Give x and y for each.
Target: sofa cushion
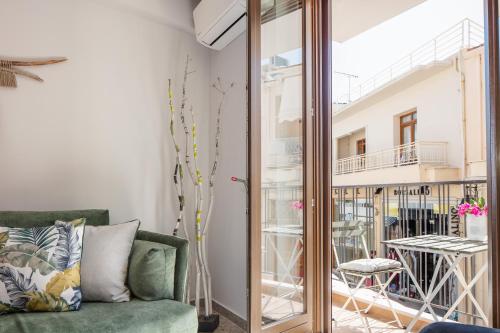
(152, 270)
(40, 268)
(181, 259)
(136, 316)
(44, 219)
(105, 258)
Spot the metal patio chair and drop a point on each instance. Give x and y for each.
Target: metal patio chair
(363, 269)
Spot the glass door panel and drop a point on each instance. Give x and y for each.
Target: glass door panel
(280, 130)
(282, 181)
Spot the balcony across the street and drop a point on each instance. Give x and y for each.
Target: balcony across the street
(433, 153)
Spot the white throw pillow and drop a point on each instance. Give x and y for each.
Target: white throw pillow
(106, 250)
(370, 265)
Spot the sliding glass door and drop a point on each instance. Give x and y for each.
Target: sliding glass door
(378, 158)
(281, 204)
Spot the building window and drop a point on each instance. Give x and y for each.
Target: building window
(408, 127)
(361, 147)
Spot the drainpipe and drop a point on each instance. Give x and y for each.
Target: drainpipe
(460, 67)
(463, 99)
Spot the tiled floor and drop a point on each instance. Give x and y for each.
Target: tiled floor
(349, 322)
(228, 326)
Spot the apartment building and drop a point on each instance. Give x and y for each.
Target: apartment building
(425, 125)
(409, 145)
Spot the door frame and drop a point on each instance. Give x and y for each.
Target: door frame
(253, 159)
(492, 84)
(322, 80)
(317, 108)
(403, 125)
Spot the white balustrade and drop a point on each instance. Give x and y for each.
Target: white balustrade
(465, 34)
(408, 154)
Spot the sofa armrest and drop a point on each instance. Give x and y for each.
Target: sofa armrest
(181, 260)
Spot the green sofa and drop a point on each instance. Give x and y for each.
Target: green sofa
(136, 316)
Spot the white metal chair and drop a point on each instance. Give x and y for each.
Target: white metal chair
(363, 269)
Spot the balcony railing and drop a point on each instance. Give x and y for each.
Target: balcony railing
(466, 34)
(285, 153)
(408, 154)
(391, 211)
(396, 211)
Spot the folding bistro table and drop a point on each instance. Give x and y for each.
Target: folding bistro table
(451, 250)
(295, 233)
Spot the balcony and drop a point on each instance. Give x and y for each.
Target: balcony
(429, 153)
(389, 212)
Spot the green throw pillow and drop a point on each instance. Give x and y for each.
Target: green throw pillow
(40, 268)
(151, 271)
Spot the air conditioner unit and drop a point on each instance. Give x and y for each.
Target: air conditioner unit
(218, 22)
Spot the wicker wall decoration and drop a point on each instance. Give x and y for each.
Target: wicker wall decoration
(9, 69)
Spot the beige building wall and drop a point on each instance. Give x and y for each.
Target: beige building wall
(449, 99)
(437, 100)
(346, 146)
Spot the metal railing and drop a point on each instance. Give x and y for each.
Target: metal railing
(285, 152)
(276, 211)
(406, 210)
(408, 154)
(391, 211)
(465, 34)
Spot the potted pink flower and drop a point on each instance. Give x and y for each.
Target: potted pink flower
(298, 206)
(476, 218)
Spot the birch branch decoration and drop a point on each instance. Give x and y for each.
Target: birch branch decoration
(9, 69)
(190, 165)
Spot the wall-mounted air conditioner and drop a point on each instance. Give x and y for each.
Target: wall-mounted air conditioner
(218, 22)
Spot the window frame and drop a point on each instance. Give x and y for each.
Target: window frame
(412, 123)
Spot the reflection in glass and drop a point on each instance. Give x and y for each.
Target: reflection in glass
(282, 163)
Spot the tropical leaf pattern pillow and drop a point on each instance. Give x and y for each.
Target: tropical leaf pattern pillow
(40, 267)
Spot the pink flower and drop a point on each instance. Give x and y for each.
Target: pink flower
(476, 211)
(463, 208)
(298, 205)
(477, 208)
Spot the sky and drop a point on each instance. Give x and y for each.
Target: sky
(381, 46)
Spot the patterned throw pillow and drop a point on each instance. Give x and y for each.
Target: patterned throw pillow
(40, 268)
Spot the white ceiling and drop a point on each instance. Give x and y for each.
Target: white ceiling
(352, 17)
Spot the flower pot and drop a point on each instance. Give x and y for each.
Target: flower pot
(476, 227)
(300, 215)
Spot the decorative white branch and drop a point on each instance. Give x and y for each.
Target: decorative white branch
(202, 220)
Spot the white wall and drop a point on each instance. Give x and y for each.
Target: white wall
(95, 134)
(437, 100)
(177, 14)
(227, 243)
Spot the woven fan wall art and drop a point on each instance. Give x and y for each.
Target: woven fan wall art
(9, 69)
